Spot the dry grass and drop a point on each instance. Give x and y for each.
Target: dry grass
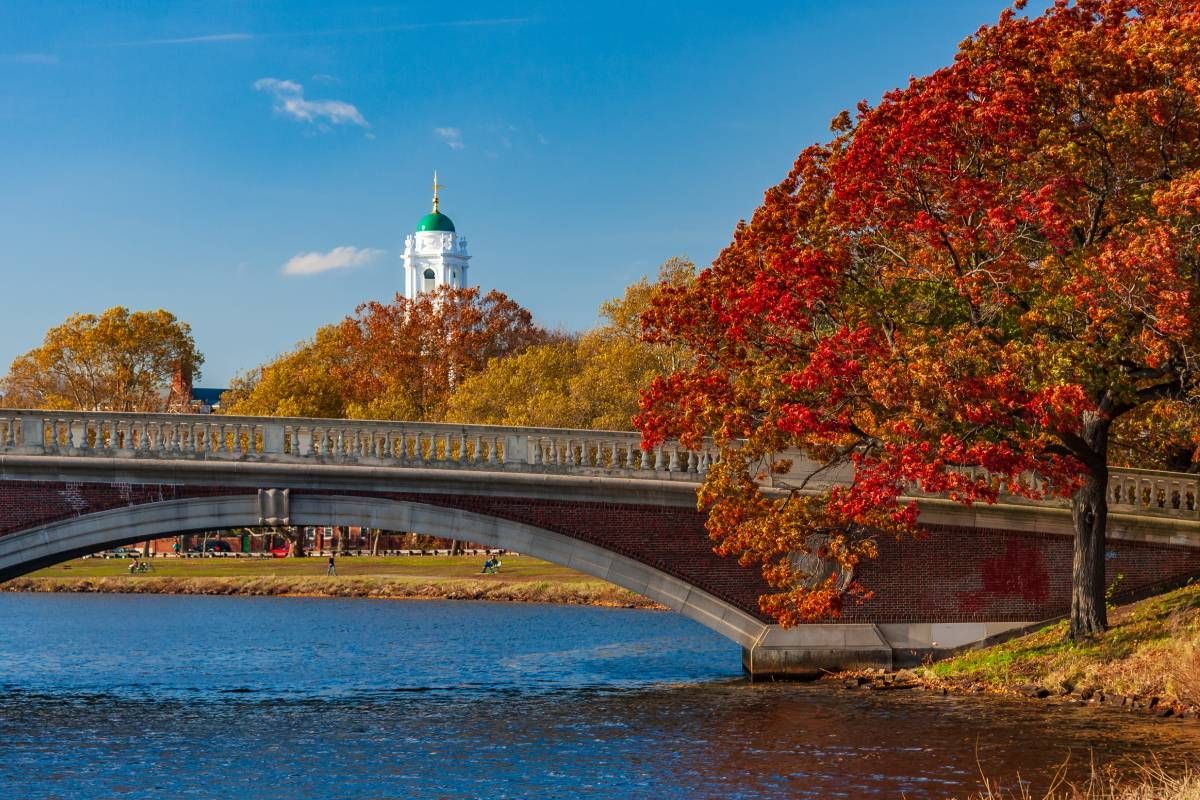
(575, 592)
(1150, 782)
(1151, 650)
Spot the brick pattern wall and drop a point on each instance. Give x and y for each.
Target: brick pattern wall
(670, 539)
(952, 575)
(973, 574)
(25, 504)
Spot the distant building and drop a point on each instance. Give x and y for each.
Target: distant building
(436, 255)
(183, 398)
(206, 401)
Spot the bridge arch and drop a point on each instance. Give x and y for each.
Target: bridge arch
(55, 542)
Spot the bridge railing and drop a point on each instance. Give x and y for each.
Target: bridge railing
(454, 446)
(339, 441)
(1130, 491)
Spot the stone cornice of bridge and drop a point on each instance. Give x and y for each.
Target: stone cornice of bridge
(1039, 518)
(350, 477)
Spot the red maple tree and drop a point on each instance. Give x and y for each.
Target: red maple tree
(963, 292)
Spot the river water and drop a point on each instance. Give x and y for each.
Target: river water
(212, 697)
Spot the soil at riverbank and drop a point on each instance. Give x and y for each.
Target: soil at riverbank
(521, 579)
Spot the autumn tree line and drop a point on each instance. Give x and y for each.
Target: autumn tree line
(997, 266)
(454, 355)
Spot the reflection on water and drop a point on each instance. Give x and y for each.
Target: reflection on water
(149, 697)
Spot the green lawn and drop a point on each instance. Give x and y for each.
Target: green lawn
(515, 568)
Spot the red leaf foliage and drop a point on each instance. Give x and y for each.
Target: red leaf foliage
(974, 273)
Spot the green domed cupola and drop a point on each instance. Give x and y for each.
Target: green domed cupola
(435, 221)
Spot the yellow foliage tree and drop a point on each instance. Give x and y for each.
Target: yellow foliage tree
(398, 360)
(299, 383)
(121, 360)
(591, 381)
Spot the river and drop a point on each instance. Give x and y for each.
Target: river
(213, 697)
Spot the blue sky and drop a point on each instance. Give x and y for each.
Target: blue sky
(178, 155)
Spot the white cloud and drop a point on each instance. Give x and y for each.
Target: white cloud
(338, 258)
(240, 36)
(451, 136)
(208, 38)
(30, 58)
(289, 100)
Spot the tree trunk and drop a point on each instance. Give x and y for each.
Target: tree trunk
(1089, 513)
(297, 538)
(375, 541)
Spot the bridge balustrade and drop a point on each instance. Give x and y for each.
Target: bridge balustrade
(406, 444)
(452, 446)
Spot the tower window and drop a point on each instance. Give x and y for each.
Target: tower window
(428, 283)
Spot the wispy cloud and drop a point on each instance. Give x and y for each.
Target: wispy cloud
(208, 38)
(29, 58)
(337, 258)
(241, 36)
(290, 101)
(451, 136)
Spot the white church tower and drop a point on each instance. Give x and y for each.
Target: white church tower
(435, 255)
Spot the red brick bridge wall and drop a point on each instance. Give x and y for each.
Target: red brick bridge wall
(952, 575)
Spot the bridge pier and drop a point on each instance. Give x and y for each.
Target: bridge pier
(808, 651)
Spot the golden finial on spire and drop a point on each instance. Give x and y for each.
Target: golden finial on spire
(436, 186)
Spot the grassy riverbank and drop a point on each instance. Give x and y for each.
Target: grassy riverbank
(521, 579)
(1150, 657)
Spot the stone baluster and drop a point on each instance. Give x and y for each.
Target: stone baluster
(51, 435)
(693, 463)
(493, 450)
(658, 459)
(129, 438)
(673, 464)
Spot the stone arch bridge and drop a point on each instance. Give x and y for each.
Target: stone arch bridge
(73, 483)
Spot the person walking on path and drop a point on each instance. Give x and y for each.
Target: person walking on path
(332, 568)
